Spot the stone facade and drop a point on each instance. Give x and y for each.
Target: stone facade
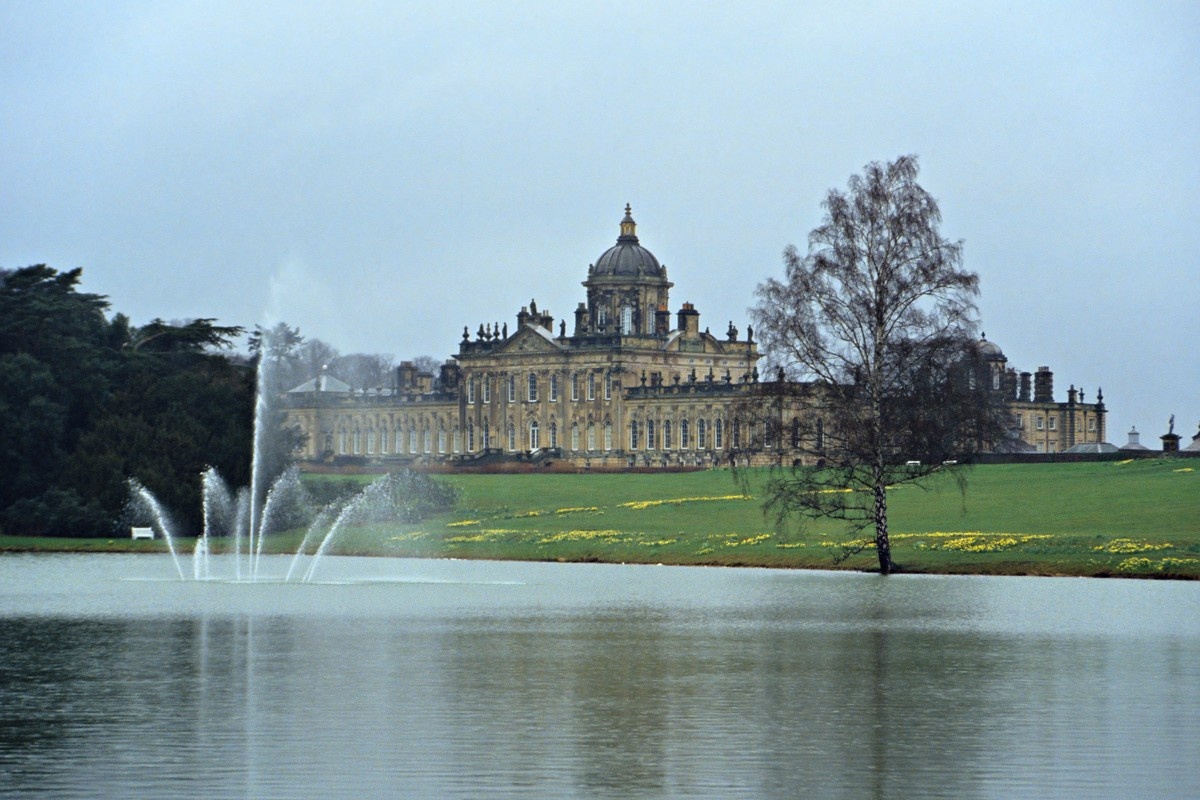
(632, 384)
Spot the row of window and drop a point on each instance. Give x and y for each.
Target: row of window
(482, 386)
(1050, 422)
(648, 435)
(626, 318)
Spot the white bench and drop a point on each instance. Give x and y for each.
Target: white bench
(141, 533)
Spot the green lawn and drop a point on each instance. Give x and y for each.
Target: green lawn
(1111, 518)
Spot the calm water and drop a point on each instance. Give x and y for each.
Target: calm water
(445, 679)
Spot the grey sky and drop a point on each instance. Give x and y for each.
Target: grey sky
(382, 174)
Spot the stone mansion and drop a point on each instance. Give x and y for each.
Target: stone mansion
(631, 384)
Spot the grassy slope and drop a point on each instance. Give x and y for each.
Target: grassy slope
(1140, 517)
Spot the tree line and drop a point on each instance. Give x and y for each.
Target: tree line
(88, 401)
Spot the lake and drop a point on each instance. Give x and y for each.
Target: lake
(458, 679)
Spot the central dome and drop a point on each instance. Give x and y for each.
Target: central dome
(627, 258)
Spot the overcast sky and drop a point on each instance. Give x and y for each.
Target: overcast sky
(382, 174)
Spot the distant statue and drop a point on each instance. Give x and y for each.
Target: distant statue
(533, 308)
(1171, 425)
(562, 329)
(506, 330)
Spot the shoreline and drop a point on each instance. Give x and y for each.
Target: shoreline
(111, 547)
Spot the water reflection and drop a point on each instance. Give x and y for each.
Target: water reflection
(595, 682)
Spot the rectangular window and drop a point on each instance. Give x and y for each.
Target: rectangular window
(718, 434)
(608, 382)
(1092, 424)
(471, 389)
(633, 436)
(1053, 422)
(512, 389)
(533, 388)
(1041, 423)
(591, 386)
(487, 389)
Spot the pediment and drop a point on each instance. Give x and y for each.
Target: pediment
(530, 339)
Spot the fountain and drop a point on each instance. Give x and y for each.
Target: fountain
(253, 512)
(225, 514)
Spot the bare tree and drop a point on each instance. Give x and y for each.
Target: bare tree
(427, 364)
(313, 357)
(364, 370)
(871, 336)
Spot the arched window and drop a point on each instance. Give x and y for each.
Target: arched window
(370, 441)
(533, 388)
(591, 437)
(487, 435)
(574, 435)
(633, 435)
(608, 383)
(342, 441)
(471, 389)
(534, 442)
(357, 442)
(626, 320)
(456, 438)
(575, 387)
(398, 440)
(512, 436)
(441, 439)
(412, 440)
(684, 434)
(428, 438)
(737, 433)
(470, 437)
(591, 386)
(487, 388)
(701, 434)
(608, 436)
(602, 317)
(553, 434)
(667, 443)
(650, 435)
(553, 387)
(718, 433)
(650, 318)
(512, 388)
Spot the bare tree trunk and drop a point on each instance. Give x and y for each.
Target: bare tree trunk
(883, 546)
